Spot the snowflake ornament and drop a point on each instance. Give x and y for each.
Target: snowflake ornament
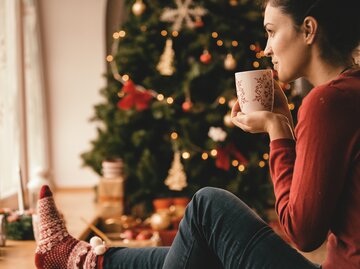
(183, 13)
(217, 134)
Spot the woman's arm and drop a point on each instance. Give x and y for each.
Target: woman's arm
(308, 176)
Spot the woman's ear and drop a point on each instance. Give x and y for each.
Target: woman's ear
(310, 26)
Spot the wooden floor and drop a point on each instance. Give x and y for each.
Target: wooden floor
(20, 254)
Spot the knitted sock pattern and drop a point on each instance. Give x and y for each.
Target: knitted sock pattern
(56, 248)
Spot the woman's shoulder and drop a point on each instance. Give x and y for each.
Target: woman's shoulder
(343, 90)
(338, 99)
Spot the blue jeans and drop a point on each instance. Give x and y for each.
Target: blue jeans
(217, 231)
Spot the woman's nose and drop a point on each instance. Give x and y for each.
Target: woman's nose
(267, 50)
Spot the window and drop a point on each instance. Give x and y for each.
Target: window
(23, 138)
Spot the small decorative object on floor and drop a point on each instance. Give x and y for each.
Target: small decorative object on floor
(111, 196)
(160, 221)
(18, 226)
(2, 231)
(110, 192)
(112, 168)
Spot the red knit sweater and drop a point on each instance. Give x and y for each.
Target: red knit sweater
(317, 178)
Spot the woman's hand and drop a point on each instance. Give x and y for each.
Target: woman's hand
(277, 124)
(255, 122)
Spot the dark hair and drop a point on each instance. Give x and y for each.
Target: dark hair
(338, 20)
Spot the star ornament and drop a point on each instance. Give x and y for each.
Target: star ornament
(183, 14)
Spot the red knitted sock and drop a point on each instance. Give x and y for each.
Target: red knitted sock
(56, 248)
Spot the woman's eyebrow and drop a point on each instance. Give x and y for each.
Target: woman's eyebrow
(266, 24)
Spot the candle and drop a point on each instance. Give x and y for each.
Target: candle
(21, 194)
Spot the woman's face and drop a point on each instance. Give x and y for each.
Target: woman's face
(286, 45)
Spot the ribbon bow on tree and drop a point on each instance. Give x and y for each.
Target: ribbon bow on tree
(224, 154)
(134, 97)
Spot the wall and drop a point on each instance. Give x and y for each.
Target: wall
(74, 52)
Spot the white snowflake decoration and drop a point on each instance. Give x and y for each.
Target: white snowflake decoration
(217, 134)
(182, 13)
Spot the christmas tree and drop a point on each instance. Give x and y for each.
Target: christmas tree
(170, 93)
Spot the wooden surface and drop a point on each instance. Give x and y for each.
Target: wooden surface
(75, 205)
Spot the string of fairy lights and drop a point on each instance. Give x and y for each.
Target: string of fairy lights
(230, 63)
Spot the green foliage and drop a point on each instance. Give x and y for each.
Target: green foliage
(20, 229)
(142, 138)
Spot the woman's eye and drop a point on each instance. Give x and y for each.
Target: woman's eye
(270, 33)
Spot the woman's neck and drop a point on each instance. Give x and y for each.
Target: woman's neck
(321, 72)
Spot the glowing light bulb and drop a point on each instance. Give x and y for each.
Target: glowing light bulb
(213, 152)
(222, 100)
(169, 100)
(185, 155)
(214, 34)
(160, 97)
(204, 156)
(241, 168)
(174, 135)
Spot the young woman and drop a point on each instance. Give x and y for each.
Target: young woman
(315, 168)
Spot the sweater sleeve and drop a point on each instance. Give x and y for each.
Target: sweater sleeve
(308, 175)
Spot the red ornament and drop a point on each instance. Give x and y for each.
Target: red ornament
(199, 23)
(134, 97)
(144, 235)
(186, 106)
(205, 58)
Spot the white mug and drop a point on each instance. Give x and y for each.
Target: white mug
(255, 90)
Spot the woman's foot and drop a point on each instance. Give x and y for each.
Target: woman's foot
(56, 248)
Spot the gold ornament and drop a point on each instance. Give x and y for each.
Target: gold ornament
(160, 221)
(176, 179)
(138, 8)
(165, 65)
(234, 2)
(230, 62)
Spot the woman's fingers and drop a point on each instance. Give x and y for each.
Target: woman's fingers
(235, 109)
(254, 122)
(239, 122)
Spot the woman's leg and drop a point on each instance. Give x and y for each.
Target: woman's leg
(220, 231)
(57, 249)
(135, 258)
